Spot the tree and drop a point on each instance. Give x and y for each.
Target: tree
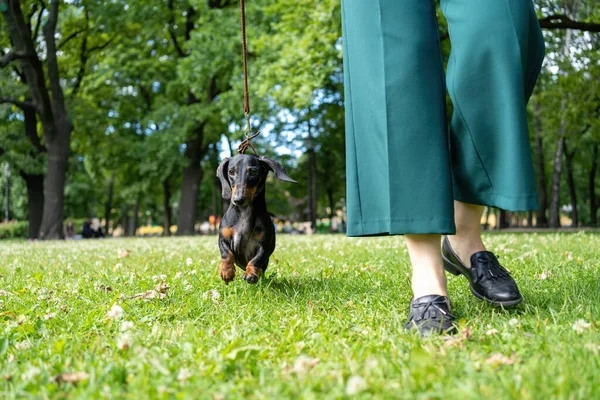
(44, 83)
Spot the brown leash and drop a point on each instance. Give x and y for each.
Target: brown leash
(246, 143)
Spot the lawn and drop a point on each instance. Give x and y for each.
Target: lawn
(326, 322)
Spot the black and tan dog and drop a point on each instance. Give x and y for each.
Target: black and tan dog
(246, 234)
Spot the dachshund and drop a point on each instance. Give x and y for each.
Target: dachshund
(246, 234)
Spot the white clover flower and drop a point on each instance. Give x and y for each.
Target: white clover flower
(189, 261)
(184, 375)
(212, 294)
(581, 325)
(593, 347)
(189, 288)
(178, 275)
(127, 325)
(124, 342)
(49, 316)
(544, 275)
(31, 373)
(371, 364)
(24, 345)
(355, 385)
(513, 322)
(304, 364)
(115, 312)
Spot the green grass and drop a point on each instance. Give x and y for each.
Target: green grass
(327, 322)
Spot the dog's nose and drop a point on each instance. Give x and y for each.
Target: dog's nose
(238, 202)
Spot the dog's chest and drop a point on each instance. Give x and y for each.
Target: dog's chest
(244, 243)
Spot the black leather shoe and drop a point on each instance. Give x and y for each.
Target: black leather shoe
(489, 280)
(430, 315)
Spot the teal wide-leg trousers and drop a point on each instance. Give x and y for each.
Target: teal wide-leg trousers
(404, 164)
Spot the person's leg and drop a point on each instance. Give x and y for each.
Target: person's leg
(427, 269)
(467, 240)
(497, 51)
(398, 166)
(496, 56)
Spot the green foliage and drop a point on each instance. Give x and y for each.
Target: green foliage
(14, 230)
(20, 229)
(568, 101)
(140, 79)
(17, 196)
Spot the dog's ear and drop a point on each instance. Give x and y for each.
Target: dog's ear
(222, 174)
(277, 168)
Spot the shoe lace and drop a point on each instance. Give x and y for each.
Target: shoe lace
(490, 267)
(429, 313)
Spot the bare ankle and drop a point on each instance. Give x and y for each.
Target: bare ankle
(465, 244)
(428, 275)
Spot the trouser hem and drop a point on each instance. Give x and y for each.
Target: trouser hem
(509, 203)
(435, 225)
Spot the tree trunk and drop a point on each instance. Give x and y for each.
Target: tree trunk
(135, 217)
(124, 218)
(190, 185)
(6, 192)
(541, 219)
(486, 224)
(58, 145)
(560, 148)
(529, 218)
(167, 208)
(592, 186)
(133, 220)
(555, 193)
(331, 202)
(571, 183)
(504, 221)
(51, 109)
(34, 182)
(312, 181)
(497, 217)
(52, 220)
(35, 202)
(109, 201)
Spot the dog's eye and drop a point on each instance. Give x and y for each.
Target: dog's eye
(253, 171)
(232, 172)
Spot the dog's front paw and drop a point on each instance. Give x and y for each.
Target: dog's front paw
(252, 274)
(250, 278)
(227, 270)
(227, 274)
